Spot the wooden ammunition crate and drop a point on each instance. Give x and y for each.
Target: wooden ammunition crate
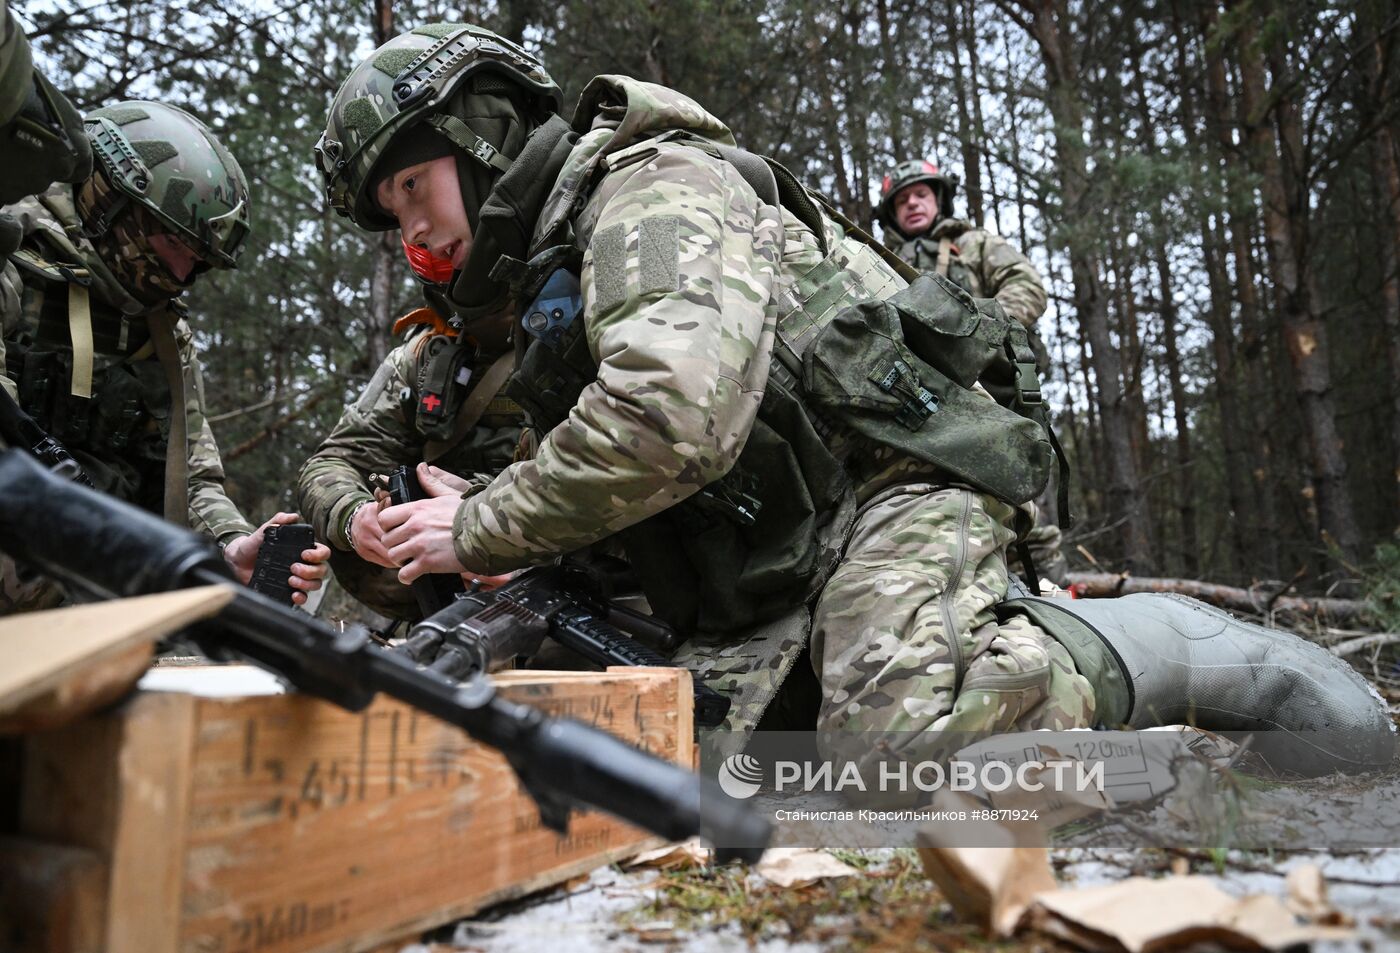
(272, 823)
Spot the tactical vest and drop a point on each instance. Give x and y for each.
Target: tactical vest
(109, 400)
(766, 536)
(939, 257)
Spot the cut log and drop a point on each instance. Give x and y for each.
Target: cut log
(1260, 601)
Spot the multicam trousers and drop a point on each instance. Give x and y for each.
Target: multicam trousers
(904, 638)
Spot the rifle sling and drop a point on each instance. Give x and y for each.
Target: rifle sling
(177, 487)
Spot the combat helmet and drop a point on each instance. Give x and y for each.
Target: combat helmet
(944, 185)
(407, 81)
(166, 163)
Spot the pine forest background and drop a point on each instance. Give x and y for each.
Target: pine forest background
(1211, 189)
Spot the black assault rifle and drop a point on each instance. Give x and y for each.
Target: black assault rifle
(18, 429)
(483, 631)
(466, 633)
(107, 548)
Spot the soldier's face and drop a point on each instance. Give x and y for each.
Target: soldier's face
(178, 258)
(915, 208)
(427, 201)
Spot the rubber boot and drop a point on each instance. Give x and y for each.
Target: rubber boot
(1158, 659)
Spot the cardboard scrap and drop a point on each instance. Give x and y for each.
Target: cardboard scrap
(1137, 766)
(800, 866)
(103, 649)
(1307, 897)
(1146, 916)
(990, 885)
(690, 853)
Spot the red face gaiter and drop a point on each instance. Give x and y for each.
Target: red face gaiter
(426, 265)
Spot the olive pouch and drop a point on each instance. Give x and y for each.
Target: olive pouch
(901, 372)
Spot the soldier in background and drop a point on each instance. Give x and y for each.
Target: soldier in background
(916, 213)
(95, 344)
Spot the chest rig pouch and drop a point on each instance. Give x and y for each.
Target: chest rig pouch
(445, 367)
(553, 365)
(900, 371)
(125, 418)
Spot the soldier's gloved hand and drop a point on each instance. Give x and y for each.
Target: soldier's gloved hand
(419, 535)
(242, 556)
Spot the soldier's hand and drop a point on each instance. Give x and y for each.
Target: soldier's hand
(418, 535)
(430, 477)
(367, 538)
(242, 556)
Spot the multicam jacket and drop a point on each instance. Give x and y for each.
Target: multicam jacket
(688, 277)
(985, 265)
(115, 417)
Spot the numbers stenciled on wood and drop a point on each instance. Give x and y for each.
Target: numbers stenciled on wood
(396, 750)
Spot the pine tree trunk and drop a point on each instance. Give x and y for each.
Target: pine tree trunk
(1049, 26)
(1278, 156)
(1248, 446)
(1386, 176)
(967, 143)
(385, 247)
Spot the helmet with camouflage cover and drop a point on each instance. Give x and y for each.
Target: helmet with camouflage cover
(944, 185)
(168, 165)
(409, 81)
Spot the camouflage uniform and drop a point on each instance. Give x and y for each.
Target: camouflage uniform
(109, 401)
(379, 432)
(41, 134)
(707, 350)
(689, 282)
(684, 362)
(983, 264)
(986, 266)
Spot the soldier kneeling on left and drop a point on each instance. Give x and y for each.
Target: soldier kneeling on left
(95, 344)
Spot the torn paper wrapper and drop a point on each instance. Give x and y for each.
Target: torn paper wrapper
(800, 866)
(991, 885)
(690, 853)
(1148, 916)
(1134, 766)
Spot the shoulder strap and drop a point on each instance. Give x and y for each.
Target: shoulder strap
(177, 455)
(945, 255)
(80, 335)
(474, 406)
(901, 267)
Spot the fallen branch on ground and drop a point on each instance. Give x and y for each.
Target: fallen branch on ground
(1256, 600)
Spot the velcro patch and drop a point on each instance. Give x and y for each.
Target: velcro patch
(658, 260)
(610, 267)
(659, 252)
